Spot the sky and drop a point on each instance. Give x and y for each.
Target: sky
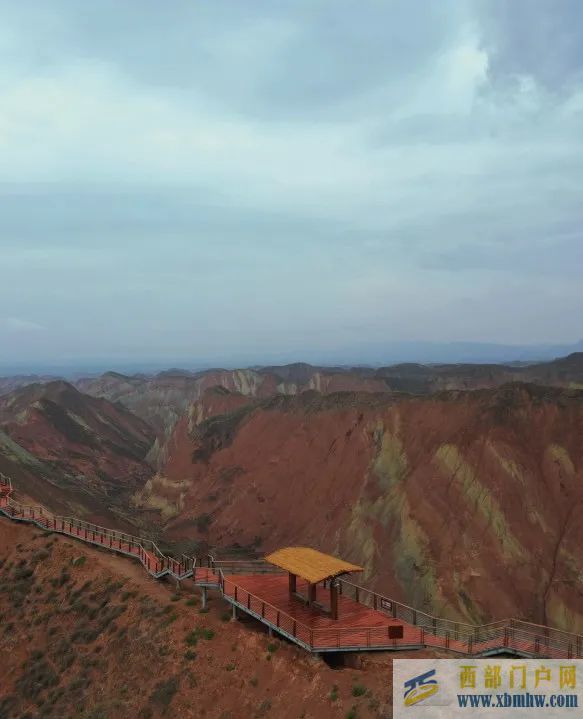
(227, 181)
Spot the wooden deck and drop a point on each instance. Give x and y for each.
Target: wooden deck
(365, 617)
(358, 627)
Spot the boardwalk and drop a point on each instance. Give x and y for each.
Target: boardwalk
(367, 620)
(145, 550)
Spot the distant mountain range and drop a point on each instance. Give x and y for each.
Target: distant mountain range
(161, 397)
(370, 354)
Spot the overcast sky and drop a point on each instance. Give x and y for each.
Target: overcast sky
(219, 180)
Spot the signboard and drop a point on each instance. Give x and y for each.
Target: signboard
(386, 605)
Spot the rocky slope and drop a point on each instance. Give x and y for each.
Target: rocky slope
(463, 503)
(71, 451)
(9, 384)
(161, 400)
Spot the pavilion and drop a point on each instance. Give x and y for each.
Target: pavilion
(314, 567)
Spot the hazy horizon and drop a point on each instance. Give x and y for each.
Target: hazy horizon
(415, 352)
(235, 183)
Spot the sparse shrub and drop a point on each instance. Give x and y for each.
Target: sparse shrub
(84, 634)
(192, 638)
(37, 677)
(190, 655)
(40, 555)
(272, 648)
(192, 602)
(254, 681)
(79, 561)
(230, 667)
(352, 714)
(358, 690)
(334, 693)
(23, 572)
(164, 692)
(264, 707)
(175, 598)
(225, 617)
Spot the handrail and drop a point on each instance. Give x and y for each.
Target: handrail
(463, 631)
(146, 550)
(420, 628)
(498, 636)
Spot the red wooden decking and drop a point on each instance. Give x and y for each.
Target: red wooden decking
(267, 596)
(273, 589)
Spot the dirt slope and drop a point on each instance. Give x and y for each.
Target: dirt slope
(87, 634)
(465, 503)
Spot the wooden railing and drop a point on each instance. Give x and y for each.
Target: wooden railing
(419, 628)
(508, 635)
(147, 551)
(242, 566)
(445, 632)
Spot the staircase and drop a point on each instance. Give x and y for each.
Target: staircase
(156, 563)
(509, 636)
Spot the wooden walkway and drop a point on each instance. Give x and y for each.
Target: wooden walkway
(261, 591)
(146, 551)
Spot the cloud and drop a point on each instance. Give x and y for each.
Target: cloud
(19, 324)
(176, 175)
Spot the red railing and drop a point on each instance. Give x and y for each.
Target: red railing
(419, 628)
(146, 550)
(510, 633)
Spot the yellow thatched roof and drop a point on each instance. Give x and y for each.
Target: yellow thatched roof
(309, 564)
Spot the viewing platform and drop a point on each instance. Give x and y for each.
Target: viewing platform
(304, 595)
(358, 628)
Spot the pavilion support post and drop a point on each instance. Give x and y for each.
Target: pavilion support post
(311, 594)
(204, 597)
(292, 583)
(234, 617)
(333, 599)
